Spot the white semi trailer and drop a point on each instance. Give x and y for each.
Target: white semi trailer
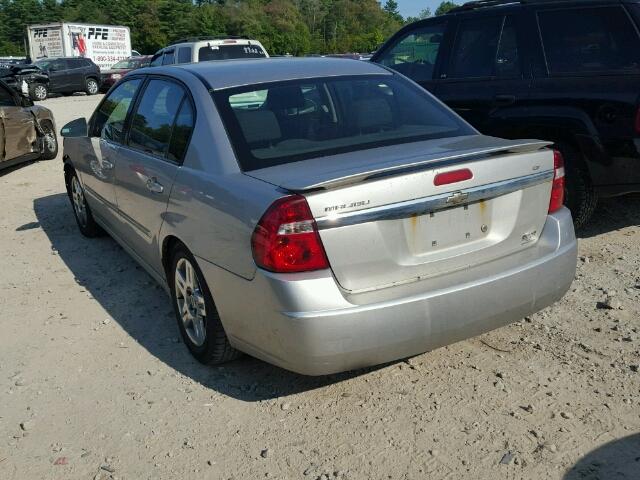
(104, 44)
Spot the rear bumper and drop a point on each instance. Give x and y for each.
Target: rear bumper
(305, 323)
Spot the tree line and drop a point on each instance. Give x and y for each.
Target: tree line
(296, 27)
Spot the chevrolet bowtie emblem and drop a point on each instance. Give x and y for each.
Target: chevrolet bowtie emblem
(457, 198)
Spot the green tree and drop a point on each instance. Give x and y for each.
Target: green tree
(444, 7)
(391, 7)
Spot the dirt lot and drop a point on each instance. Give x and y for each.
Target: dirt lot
(95, 384)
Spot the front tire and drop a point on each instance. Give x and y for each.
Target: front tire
(92, 86)
(38, 92)
(196, 313)
(49, 141)
(84, 218)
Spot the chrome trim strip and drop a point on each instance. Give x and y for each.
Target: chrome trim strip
(421, 206)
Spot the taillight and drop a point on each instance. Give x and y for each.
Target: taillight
(557, 189)
(286, 239)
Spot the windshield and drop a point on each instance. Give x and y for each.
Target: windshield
(284, 122)
(226, 52)
(130, 64)
(42, 64)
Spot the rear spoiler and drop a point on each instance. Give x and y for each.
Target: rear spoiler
(416, 163)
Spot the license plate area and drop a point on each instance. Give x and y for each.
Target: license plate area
(447, 229)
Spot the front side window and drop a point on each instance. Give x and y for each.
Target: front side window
(156, 60)
(229, 51)
(110, 117)
(475, 47)
(416, 53)
(184, 55)
(589, 40)
(284, 122)
(152, 122)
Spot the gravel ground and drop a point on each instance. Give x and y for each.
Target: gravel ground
(95, 383)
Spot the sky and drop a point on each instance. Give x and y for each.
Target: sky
(411, 8)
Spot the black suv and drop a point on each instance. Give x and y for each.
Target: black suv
(71, 74)
(564, 71)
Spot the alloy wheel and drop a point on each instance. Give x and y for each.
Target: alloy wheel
(50, 140)
(40, 92)
(190, 302)
(79, 206)
(92, 87)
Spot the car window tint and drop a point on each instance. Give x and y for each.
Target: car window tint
(475, 47)
(6, 99)
(507, 63)
(291, 121)
(601, 39)
(72, 63)
(153, 119)
(184, 55)
(225, 52)
(415, 54)
(181, 132)
(168, 57)
(58, 65)
(110, 117)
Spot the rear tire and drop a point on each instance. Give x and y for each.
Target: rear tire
(38, 92)
(81, 210)
(92, 86)
(196, 313)
(580, 196)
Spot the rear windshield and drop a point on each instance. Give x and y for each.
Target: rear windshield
(283, 122)
(130, 63)
(226, 52)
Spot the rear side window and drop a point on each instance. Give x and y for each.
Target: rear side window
(184, 55)
(415, 54)
(226, 52)
(152, 122)
(589, 40)
(181, 132)
(110, 117)
(284, 122)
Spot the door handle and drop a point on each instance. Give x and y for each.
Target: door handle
(153, 185)
(504, 100)
(107, 165)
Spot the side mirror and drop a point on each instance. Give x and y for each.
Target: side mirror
(26, 102)
(75, 128)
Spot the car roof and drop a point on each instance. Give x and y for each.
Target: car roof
(234, 73)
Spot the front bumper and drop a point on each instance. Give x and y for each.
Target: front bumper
(305, 323)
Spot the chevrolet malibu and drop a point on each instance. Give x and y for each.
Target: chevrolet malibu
(320, 214)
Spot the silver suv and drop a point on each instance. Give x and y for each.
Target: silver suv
(204, 49)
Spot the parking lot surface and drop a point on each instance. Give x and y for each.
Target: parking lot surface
(95, 383)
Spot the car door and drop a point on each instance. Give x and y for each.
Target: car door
(75, 73)
(106, 132)
(416, 52)
(160, 128)
(18, 130)
(485, 73)
(59, 79)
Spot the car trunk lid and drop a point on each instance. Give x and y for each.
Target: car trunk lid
(385, 221)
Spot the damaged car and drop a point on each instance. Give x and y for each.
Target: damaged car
(27, 131)
(28, 80)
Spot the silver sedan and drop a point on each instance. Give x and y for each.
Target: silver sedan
(320, 214)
